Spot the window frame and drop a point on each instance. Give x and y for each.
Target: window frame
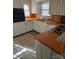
(43, 9)
(26, 10)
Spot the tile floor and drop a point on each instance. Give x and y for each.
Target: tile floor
(24, 47)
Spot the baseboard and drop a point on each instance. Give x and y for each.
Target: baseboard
(24, 33)
(21, 34)
(35, 31)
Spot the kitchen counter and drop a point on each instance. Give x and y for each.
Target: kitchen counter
(50, 40)
(49, 22)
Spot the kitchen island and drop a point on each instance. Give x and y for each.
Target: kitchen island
(47, 42)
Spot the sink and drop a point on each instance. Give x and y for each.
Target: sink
(57, 30)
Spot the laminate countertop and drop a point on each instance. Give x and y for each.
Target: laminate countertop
(49, 22)
(50, 40)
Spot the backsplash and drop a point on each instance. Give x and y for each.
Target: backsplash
(58, 19)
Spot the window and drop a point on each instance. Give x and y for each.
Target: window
(45, 9)
(26, 10)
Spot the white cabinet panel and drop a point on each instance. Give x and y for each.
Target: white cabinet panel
(46, 52)
(18, 28)
(38, 49)
(43, 52)
(29, 25)
(36, 26)
(40, 26)
(43, 27)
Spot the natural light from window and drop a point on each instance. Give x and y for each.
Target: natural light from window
(26, 10)
(45, 9)
(23, 50)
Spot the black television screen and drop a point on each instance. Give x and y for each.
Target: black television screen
(18, 15)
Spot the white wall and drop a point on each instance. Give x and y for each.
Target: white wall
(36, 1)
(34, 5)
(14, 3)
(19, 3)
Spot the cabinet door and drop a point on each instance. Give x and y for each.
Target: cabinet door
(40, 26)
(43, 27)
(29, 25)
(36, 26)
(46, 52)
(18, 28)
(42, 52)
(38, 49)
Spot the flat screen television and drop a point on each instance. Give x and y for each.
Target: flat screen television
(18, 15)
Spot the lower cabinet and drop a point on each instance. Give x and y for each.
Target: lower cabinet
(43, 52)
(38, 50)
(40, 26)
(36, 26)
(43, 27)
(29, 25)
(19, 28)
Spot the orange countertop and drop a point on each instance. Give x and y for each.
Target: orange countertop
(50, 40)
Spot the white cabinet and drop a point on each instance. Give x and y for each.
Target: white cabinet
(40, 26)
(38, 50)
(46, 52)
(19, 28)
(57, 7)
(36, 26)
(29, 25)
(43, 27)
(43, 52)
(22, 27)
